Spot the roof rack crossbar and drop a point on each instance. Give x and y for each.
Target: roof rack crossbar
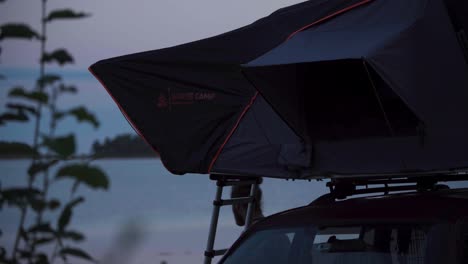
(343, 188)
(236, 183)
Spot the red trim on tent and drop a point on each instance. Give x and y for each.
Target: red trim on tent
(126, 116)
(255, 96)
(339, 12)
(246, 108)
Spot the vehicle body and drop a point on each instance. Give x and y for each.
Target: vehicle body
(415, 227)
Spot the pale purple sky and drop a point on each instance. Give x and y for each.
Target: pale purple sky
(118, 27)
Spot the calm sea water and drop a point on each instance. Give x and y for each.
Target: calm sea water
(149, 215)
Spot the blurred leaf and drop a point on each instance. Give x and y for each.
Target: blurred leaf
(62, 146)
(23, 234)
(15, 149)
(40, 166)
(82, 115)
(22, 107)
(54, 204)
(76, 252)
(12, 30)
(66, 214)
(65, 14)
(34, 95)
(48, 79)
(41, 228)
(20, 197)
(73, 235)
(59, 115)
(92, 176)
(61, 56)
(41, 258)
(68, 89)
(13, 117)
(37, 204)
(24, 254)
(2, 76)
(44, 240)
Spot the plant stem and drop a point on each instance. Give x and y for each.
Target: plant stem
(36, 129)
(41, 74)
(45, 184)
(18, 233)
(39, 109)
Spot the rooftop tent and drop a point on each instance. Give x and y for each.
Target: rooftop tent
(341, 87)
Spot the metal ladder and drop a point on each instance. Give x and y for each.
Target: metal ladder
(221, 182)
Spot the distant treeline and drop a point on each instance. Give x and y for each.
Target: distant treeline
(125, 145)
(122, 146)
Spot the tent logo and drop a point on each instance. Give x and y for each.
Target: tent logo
(183, 98)
(162, 101)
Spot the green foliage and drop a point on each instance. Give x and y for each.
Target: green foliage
(68, 89)
(76, 252)
(73, 235)
(66, 214)
(91, 176)
(64, 146)
(61, 56)
(22, 108)
(19, 197)
(34, 226)
(13, 117)
(65, 14)
(37, 96)
(16, 149)
(41, 166)
(18, 111)
(12, 30)
(41, 228)
(48, 79)
(81, 114)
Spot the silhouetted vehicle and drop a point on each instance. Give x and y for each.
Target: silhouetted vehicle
(428, 223)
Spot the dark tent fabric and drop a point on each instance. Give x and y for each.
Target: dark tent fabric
(322, 87)
(412, 51)
(263, 144)
(189, 132)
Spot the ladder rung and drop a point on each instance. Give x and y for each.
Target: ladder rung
(214, 253)
(220, 252)
(232, 201)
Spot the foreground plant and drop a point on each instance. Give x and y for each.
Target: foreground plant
(53, 156)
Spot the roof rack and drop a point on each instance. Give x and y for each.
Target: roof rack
(342, 188)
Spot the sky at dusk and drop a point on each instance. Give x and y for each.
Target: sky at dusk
(119, 27)
(115, 27)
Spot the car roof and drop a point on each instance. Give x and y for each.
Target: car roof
(416, 207)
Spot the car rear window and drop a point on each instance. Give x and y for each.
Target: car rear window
(389, 244)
